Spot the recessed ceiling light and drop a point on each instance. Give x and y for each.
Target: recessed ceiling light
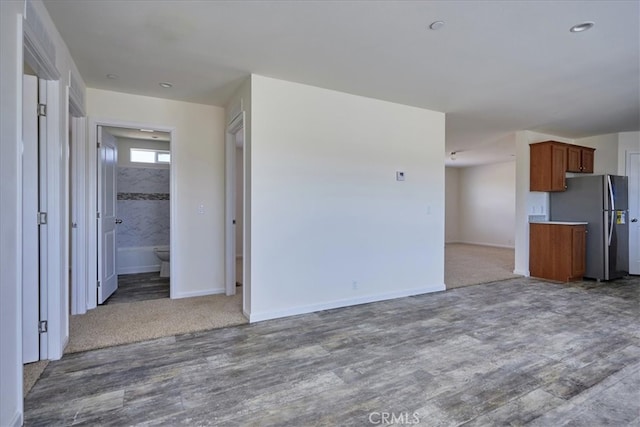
(436, 25)
(165, 85)
(578, 28)
(112, 76)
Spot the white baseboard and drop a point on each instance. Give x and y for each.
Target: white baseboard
(491, 245)
(192, 294)
(294, 311)
(524, 273)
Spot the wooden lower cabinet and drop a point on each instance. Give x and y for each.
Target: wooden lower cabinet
(557, 251)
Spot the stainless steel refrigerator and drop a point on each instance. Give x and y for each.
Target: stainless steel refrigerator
(600, 200)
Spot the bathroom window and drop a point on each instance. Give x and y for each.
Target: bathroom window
(143, 155)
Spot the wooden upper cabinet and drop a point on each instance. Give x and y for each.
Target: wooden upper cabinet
(574, 158)
(550, 160)
(587, 155)
(579, 159)
(548, 166)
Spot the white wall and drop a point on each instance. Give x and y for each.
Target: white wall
(197, 155)
(452, 205)
(487, 204)
(10, 214)
(331, 226)
(628, 142)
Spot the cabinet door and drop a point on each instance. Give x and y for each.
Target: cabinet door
(587, 160)
(558, 167)
(578, 244)
(540, 167)
(574, 159)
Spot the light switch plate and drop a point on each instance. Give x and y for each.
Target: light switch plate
(399, 176)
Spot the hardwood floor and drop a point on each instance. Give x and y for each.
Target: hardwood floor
(139, 287)
(508, 353)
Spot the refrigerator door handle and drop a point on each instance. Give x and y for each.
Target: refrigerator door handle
(612, 207)
(612, 214)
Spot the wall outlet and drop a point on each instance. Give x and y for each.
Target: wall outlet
(201, 210)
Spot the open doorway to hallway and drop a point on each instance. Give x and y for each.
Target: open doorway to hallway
(479, 223)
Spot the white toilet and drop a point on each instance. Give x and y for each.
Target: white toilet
(163, 255)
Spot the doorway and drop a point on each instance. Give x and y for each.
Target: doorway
(34, 344)
(235, 205)
(137, 267)
(138, 212)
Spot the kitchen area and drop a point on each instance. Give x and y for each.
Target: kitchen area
(585, 234)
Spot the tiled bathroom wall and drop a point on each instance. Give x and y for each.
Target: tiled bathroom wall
(143, 206)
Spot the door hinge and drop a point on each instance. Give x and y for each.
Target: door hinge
(42, 326)
(99, 144)
(99, 283)
(42, 110)
(98, 215)
(74, 225)
(42, 218)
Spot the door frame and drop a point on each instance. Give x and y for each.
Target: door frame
(32, 44)
(77, 217)
(627, 161)
(90, 246)
(234, 126)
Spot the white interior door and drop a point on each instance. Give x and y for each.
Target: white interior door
(633, 172)
(30, 239)
(107, 164)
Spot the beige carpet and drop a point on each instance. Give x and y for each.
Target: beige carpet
(30, 375)
(467, 265)
(125, 323)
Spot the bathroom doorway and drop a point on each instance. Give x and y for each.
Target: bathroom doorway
(143, 214)
(110, 258)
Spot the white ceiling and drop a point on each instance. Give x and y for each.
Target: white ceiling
(155, 135)
(496, 67)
